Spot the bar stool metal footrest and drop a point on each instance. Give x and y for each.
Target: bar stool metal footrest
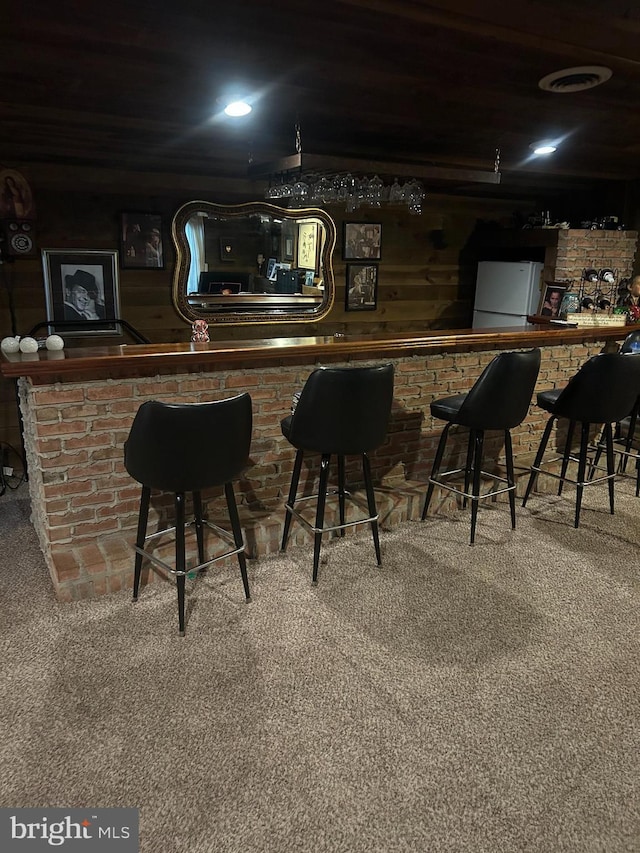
(439, 481)
(219, 531)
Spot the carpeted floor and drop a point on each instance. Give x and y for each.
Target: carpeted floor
(457, 699)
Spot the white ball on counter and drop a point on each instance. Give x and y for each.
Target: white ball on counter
(54, 342)
(10, 344)
(28, 345)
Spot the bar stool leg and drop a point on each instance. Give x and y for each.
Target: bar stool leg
(371, 503)
(566, 455)
(341, 492)
(536, 462)
(511, 480)
(237, 535)
(608, 433)
(596, 457)
(582, 469)
(322, 498)
(630, 433)
(435, 469)
(293, 489)
(197, 512)
(180, 559)
(468, 465)
(600, 443)
(143, 517)
(477, 466)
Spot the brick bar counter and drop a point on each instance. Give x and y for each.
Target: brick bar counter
(77, 407)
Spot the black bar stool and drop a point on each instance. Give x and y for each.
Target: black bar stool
(499, 400)
(603, 391)
(183, 448)
(624, 431)
(342, 411)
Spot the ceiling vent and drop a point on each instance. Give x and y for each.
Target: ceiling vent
(575, 79)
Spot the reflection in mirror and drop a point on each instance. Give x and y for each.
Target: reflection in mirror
(252, 263)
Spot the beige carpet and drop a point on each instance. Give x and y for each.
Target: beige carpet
(457, 699)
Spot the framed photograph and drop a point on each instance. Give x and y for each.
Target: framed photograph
(273, 275)
(141, 245)
(308, 245)
(362, 241)
(227, 249)
(362, 287)
(551, 300)
(288, 240)
(270, 267)
(288, 248)
(81, 286)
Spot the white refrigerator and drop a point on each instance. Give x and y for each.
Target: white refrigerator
(506, 292)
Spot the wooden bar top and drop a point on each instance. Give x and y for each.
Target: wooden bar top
(112, 362)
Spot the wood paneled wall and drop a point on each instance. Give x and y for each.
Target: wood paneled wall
(426, 272)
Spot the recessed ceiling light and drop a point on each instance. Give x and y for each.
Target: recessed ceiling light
(237, 108)
(543, 147)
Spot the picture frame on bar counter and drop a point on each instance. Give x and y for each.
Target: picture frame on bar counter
(361, 293)
(551, 301)
(141, 243)
(81, 287)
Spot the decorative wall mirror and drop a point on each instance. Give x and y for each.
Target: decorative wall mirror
(252, 263)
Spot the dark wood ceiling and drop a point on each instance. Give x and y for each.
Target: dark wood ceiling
(136, 85)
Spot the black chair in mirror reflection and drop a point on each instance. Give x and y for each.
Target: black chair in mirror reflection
(341, 412)
(603, 392)
(624, 430)
(499, 400)
(164, 451)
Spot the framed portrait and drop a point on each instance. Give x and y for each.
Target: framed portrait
(141, 243)
(308, 245)
(81, 287)
(227, 249)
(361, 292)
(551, 300)
(362, 241)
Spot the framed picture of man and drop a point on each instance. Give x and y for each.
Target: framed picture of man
(551, 301)
(81, 287)
(141, 245)
(362, 287)
(362, 241)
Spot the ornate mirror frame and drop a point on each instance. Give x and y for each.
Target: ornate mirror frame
(250, 308)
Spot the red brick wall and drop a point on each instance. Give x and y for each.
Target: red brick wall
(577, 250)
(85, 504)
